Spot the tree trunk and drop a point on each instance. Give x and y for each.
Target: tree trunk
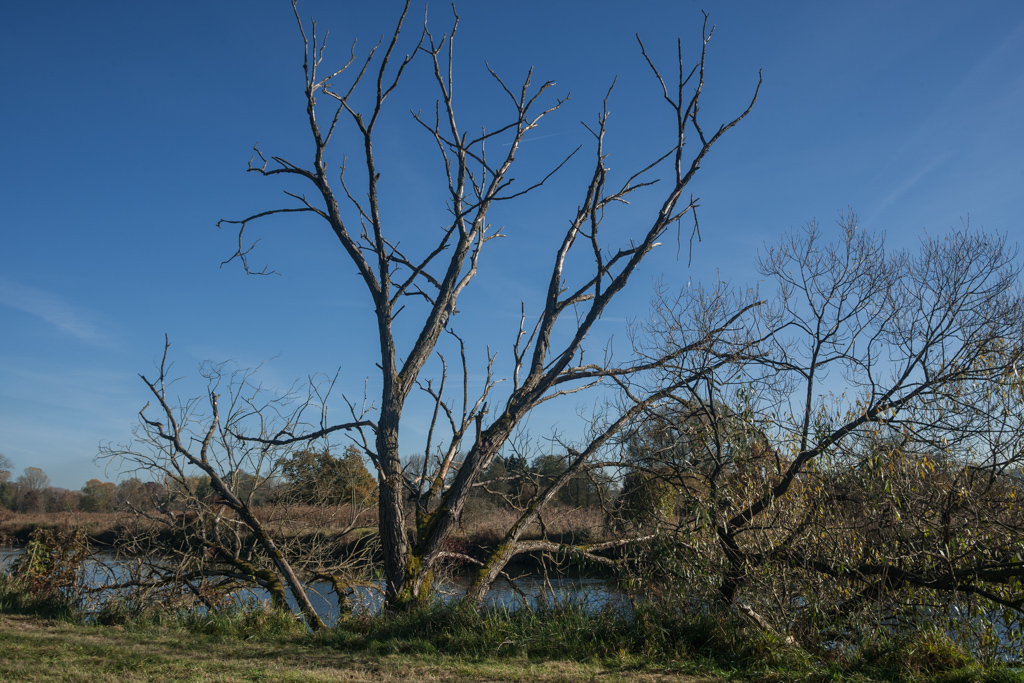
(391, 525)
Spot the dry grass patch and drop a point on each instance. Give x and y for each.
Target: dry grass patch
(15, 527)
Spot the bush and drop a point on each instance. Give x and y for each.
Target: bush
(926, 651)
(248, 620)
(47, 578)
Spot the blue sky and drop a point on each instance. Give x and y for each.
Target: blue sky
(126, 128)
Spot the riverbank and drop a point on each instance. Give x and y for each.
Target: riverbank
(105, 531)
(41, 641)
(102, 528)
(566, 638)
(37, 649)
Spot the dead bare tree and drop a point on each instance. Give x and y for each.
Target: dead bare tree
(212, 531)
(432, 282)
(705, 341)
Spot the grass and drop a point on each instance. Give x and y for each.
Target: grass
(36, 649)
(16, 527)
(44, 638)
(486, 527)
(452, 642)
(652, 640)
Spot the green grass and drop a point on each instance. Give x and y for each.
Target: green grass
(46, 641)
(45, 650)
(653, 639)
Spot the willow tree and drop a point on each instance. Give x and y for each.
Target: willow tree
(866, 458)
(547, 352)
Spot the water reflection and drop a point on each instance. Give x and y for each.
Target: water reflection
(7, 557)
(104, 569)
(533, 591)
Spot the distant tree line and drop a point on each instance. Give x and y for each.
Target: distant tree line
(307, 476)
(515, 480)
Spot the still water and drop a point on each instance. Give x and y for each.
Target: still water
(533, 590)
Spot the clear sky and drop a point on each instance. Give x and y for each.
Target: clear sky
(126, 128)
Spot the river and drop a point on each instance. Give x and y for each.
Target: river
(590, 592)
(535, 590)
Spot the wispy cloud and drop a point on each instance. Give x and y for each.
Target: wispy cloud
(908, 163)
(907, 183)
(54, 309)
